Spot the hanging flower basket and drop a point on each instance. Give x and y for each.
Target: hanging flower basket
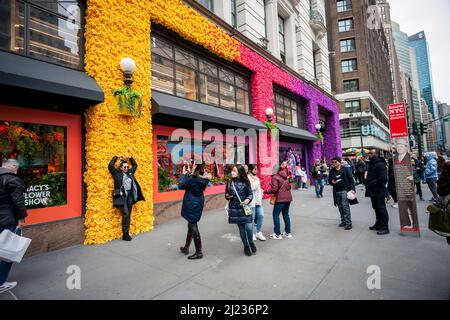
(272, 127)
(129, 101)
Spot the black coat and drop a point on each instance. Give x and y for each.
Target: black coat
(377, 177)
(12, 200)
(194, 199)
(236, 213)
(118, 178)
(347, 180)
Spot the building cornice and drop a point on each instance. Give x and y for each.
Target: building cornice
(252, 45)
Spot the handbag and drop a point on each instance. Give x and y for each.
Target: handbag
(246, 207)
(273, 199)
(118, 196)
(13, 246)
(439, 221)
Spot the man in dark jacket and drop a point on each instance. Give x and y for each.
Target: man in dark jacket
(376, 189)
(12, 211)
(341, 179)
(126, 183)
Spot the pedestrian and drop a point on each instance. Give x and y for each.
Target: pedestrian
(280, 188)
(258, 210)
(392, 188)
(431, 173)
(12, 211)
(317, 174)
(239, 193)
(376, 180)
(361, 168)
(342, 181)
(440, 163)
(127, 191)
(418, 169)
(443, 187)
(298, 177)
(304, 179)
(326, 170)
(194, 180)
(424, 161)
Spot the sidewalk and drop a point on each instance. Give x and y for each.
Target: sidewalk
(321, 261)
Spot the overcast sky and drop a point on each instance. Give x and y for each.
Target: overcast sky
(432, 16)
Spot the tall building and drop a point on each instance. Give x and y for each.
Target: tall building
(430, 137)
(293, 31)
(444, 112)
(360, 74)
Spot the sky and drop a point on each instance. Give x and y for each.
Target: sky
(433, 17)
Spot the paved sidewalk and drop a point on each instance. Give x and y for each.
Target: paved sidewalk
(321, 261)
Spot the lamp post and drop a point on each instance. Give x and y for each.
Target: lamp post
(360, 123)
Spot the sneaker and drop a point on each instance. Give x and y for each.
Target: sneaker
(374, 227)
(254, 237)
(7, 286)
(395, 205)
(275, 236)
(382, 232)
(348, 227)
(342, 225)
(287, 235)
(253, 248)
(260, 236)
(126, 237)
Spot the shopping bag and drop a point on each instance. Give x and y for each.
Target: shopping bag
(13, 246)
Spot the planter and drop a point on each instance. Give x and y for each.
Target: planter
(124, 111)
(128, 102)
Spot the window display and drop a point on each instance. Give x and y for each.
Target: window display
(41, 152)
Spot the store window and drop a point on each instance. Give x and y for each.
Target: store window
(47, 146)
(289, 111)
(183, 73)
(172, 155)
(344, 5)
(349, 65)
(345, 25)
(348, 45)
(46, 30)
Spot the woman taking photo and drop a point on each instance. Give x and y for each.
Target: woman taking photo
(193, 203)
(258, 212)
(239, 193)
(281, 190)
(126, 190)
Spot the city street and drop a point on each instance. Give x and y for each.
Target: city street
(321, 261)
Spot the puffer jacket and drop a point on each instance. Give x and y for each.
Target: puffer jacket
(194, 199)
(12, 200)
(431, 170)
(256, 189)
(280, 187)
(236, 213)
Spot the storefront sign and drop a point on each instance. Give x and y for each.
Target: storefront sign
(409, 223)
(375, 131)
(37, 195)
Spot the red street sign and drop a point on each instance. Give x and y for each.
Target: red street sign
(397, 120)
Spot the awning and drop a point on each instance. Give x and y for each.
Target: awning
(175, 106)
(296, 133)
(23, 72)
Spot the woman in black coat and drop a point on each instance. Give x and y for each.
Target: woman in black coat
(126, 190)
(239, 189)
(192, 208)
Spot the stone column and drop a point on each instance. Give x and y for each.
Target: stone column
(272, 27)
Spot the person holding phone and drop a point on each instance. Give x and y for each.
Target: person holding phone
(127, 186)
(194, 181)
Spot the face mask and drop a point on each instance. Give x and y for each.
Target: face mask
(234, 174)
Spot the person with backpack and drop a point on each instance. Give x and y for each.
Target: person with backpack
(195, 184)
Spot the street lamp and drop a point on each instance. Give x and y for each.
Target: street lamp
(360, 123)
(269, 114)
(127, 65)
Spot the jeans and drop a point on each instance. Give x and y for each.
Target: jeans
(419, 189)
(281, 207)
(246, 233)
(344, 208)
(5, 267)
(432, 185)
(258, 217)
(382, 216)
(126, 214)
(319, 184)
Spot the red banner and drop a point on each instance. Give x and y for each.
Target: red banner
(397, 120)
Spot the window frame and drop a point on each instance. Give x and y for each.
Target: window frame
(345, 24)
(348, 81)
(350, 64)
(344, 5)
(282, 39)
(199, 56)
(26, 37)
(234, 13)
(347, 45)
(300, 107)
(354, 107)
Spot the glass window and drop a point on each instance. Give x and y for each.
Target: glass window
(344, 5)
(41, 152)
(178, 71)
(352, 106)
(233, 13)
(208, 4)
(349, 65)
(351, 85)
(345, 25)
(281, 38)
(289, 111)
(185, 82)
(46, 30)
(348, 45)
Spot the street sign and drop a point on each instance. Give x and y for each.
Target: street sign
(397, 120)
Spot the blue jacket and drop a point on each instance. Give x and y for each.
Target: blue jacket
(194, 199)
(236, 213)
(431, 168)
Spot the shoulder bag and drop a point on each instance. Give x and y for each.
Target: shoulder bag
(246, 207)
(273, 199)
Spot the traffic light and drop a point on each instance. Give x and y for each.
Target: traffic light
(423, 129)
(415, 129)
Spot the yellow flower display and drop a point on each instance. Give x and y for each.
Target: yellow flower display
(114, 30)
